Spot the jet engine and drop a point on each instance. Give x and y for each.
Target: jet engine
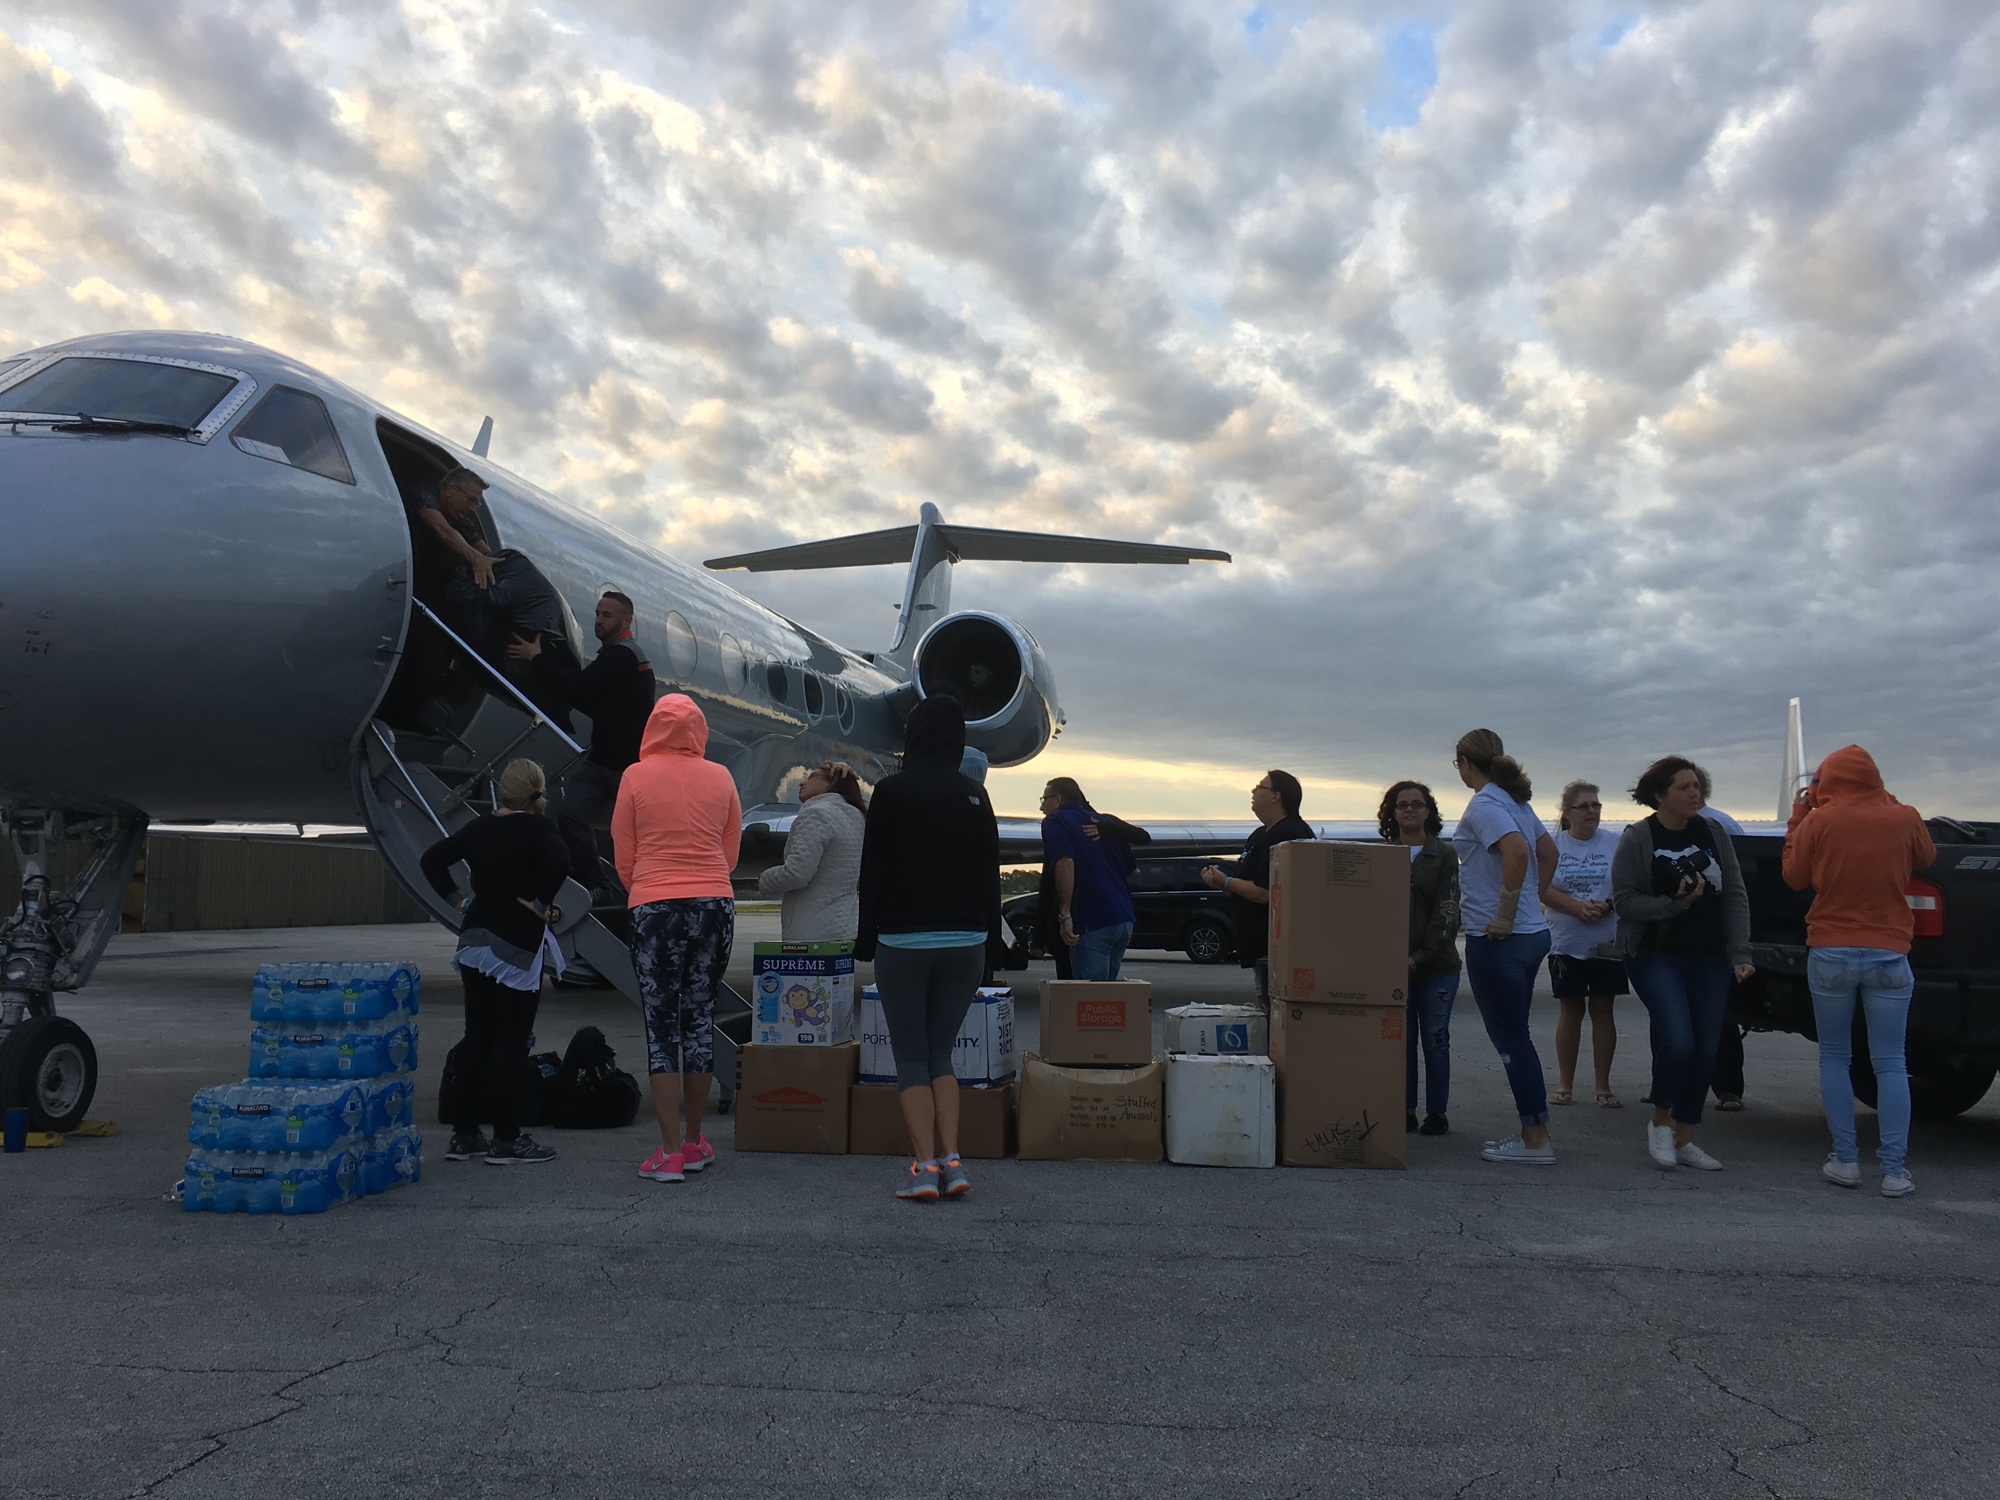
(999, 677)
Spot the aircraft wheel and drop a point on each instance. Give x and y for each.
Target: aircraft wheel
(50, 1066)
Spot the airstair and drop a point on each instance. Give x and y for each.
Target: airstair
(415, 787)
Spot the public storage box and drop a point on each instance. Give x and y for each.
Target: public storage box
(985, 1122)
(1097, 1023)
(982, 1056)
(803, 994)
(1340, 922)
(1090, 1114)
(1340, 1085)
(1219, 1030)
(794, 1098)
(1221, 1111)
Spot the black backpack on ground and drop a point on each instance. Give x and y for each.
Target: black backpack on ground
(590, 1091)
(537, 1073)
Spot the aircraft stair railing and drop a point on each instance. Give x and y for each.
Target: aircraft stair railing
(414, 791)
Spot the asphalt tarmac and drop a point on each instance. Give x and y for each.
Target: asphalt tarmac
(783, 1327)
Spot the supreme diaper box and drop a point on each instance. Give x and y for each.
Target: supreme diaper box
(1340, 1084)
(794, 1098)
(1090, 1023)
(985, 1122)
(1340, 923)
(1091, 1114)
(1219, 1030)
(982, 1055)
(802, 994)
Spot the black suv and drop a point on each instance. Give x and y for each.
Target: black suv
(1175, 910)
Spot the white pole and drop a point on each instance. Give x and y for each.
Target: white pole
(1796, 770)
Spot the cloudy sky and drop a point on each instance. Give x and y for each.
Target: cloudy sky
(1601, 373)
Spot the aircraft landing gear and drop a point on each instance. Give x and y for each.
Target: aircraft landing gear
(52, 942)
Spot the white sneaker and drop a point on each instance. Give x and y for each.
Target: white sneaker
(1517, 1152)
(1840, 1173)
(1896, 1184)
(1692, 1155)
(1660, 1145)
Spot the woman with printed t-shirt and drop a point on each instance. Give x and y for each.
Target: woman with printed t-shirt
(1409, 816)
(1581, 924)
(1505, 861)
(1683, 921)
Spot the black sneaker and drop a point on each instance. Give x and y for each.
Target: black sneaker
(1409, 1120)
(1434, 1125)
(465, 1147)
(520, 1149)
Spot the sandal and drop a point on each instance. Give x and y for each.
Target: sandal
(1608, 1101)
(1561, 1096)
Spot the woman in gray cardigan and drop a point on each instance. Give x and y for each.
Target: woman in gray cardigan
(1683, 922)
(821, 876)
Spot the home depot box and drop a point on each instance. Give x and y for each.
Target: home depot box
(1091, 1114)
(803, 994)
(982, 1056)
(1219, 1030)
(794, 1098)
(985, 1122)
(1103, 1023)
(1340, 1084)
(1221, 1111)
(1340, 922)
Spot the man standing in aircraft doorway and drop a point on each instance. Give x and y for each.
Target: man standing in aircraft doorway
(617, 691)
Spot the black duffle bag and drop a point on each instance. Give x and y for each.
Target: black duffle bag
(456, 1091)
(590, 1091)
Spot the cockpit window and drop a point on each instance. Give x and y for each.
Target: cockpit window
(10, 364)
(292, 427)
(123, 390)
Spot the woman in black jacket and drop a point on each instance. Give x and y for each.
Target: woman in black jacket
(1409, 816)
(930, 903)
(518, 863)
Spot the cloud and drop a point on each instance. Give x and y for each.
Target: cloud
(1604, 374)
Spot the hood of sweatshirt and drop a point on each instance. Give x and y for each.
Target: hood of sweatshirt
(934, 732)
(675, 727)
(1849, 777)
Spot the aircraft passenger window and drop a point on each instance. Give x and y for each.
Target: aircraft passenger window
(843, 706)
(774, 678)
(128, 390)
(683, 651)
(815, 695)
(10, 364)
(735, 668)
(292, 427)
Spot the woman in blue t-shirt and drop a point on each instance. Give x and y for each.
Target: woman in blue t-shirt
(1505, 860)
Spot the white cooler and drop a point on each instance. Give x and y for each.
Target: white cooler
(1221, 1111)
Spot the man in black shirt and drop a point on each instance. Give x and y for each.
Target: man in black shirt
(617, 691)
(1275, 801)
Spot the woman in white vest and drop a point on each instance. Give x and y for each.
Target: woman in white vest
(821, 876)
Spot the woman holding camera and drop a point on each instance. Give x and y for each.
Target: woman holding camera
(1683, 922)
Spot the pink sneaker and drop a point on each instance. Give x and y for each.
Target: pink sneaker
(697, 1153)
(664, 1166)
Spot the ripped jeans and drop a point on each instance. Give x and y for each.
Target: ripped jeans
(1502, 973)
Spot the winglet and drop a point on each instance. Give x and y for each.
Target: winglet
(1796, 770)
(485, 439)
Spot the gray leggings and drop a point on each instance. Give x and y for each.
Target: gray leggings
(925, 995)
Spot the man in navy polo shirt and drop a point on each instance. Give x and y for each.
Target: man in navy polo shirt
(1094, 913)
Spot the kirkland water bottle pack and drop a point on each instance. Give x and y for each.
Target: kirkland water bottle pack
(269, 1182)
(278, 1116)
(342, 1049)
(391, 1159)
(326, 994)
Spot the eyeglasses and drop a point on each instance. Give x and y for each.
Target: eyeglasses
(1586, 807)
(1413, 807)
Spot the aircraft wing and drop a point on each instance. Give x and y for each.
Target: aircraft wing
(962, 543)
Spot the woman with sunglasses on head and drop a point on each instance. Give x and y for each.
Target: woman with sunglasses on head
(1505, 861)
(820, 879)
(1409, 815)
(1581, 926)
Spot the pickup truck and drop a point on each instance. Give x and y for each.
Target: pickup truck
(1953, 1042)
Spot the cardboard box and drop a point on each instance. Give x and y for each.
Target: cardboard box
(982, 1056)
(802, 994)
(1221, 1111)
(985, 1122)
(1340, 1084)
(1091, 1114)
(794, 1098)
(1340, 923)
(1097, 1023)
(1219, 1030)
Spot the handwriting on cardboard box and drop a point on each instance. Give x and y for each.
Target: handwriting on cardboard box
(1344, 1139)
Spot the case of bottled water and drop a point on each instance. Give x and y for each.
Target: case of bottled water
(321, 995)
(280, 1116)
(262, 1182)
(389, 1104)
(353, 1049)
(391, 1158)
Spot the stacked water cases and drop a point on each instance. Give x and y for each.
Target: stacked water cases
(325, 1115)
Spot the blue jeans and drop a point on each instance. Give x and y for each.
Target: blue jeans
(1686, 998)
(1502, 973)
(1882, 981)
(1100, 952)
(1429, 1025)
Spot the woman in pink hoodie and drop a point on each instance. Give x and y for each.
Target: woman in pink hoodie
(675, 833)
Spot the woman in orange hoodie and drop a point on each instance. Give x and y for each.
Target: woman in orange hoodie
(675, 832)
(1856, 847)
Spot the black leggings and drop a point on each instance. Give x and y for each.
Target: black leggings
(925, 995)
(494, 1055)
